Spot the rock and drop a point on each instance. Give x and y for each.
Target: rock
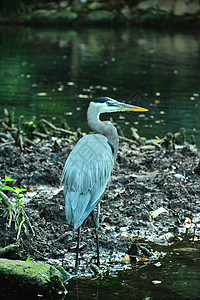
(126, 12)
(166, 6)
(96, 6)
(101, 16)
(148, 5)
(193, 7)
(63, 4)
(182, 8)
(53, 16)
(29, 277)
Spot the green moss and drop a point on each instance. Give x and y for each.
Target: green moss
(96, 13)
(101, 17)
(30, 277)
(53, 16)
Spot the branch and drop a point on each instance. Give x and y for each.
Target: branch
(6, 201)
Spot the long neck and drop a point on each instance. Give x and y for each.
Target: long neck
(105, 128)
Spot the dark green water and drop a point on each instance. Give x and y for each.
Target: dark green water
(175, 276)
(53, 73)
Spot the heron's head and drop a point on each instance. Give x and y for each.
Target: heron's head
(107, 104)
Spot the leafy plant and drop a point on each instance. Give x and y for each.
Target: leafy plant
(15, 190)
(14, 210)
(10, 7)
(28, 259)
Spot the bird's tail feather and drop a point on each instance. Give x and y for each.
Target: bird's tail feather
(75, 206)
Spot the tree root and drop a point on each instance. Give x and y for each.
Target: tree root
(9, 248)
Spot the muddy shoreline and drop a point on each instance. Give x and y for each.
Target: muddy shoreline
(103, 13)
(142, 181)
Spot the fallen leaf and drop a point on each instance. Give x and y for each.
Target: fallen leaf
(158, 211)
(156, 281)
(127, 259)
(188, 220)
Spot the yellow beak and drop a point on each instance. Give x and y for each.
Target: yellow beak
(128, 107)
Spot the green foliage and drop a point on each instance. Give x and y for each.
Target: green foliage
(15, 190)
(28, 259)
(13, 7)
(14, 209)
(4, 186)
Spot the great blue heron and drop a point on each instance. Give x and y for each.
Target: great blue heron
(89, 165)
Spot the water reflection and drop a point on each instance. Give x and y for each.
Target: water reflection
(177, 276)
(47, 72)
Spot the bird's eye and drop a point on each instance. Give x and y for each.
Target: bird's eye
(108, 103)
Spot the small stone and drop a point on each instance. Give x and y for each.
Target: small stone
(63, 4)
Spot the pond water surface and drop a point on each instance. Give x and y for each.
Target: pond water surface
(175, 276)
(54, 73)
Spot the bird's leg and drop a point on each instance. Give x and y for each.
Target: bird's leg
(97, 233)
(77, 247)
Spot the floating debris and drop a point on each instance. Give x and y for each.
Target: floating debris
(42, 94)
(70, 83)
(83, 96)
(156, 281)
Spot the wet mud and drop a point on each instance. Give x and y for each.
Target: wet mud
(142, 182)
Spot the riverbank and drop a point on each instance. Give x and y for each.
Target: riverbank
(103, 13)
(153, 198)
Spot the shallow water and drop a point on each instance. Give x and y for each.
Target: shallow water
(53, 73)
(175, 276)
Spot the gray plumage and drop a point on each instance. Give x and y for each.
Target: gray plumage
(89, 165)
(85, 175)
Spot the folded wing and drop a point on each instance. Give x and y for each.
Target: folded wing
(85, 176)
